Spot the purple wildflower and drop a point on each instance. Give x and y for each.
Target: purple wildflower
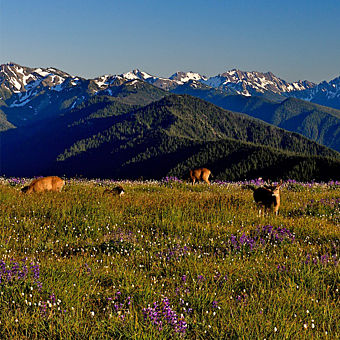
(161, 314)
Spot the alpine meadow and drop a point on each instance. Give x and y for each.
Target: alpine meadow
(168, 259)
(135, 206)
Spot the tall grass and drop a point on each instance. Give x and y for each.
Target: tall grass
(168, 259)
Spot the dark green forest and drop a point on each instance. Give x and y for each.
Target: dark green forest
(316, 122)
(180, 132)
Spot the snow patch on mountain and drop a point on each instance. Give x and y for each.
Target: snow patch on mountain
(184, 77)
(248, 83)
(325, 93)
(102, 81)
(41, 72)
(137, 74)
(24, 84)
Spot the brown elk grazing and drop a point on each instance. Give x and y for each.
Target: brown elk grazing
(117, 191)
(268, 197)
(50, 183)
(200, 174)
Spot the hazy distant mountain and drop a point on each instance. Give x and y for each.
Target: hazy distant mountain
(325, 93)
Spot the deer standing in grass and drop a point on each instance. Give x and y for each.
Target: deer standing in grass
(267, 197)
(117, 191)
(50, 183)
(200, 174)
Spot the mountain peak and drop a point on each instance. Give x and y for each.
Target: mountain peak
(136, 74)
(19, 79)
(183, 77)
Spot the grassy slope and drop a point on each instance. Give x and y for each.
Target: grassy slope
(168, 240)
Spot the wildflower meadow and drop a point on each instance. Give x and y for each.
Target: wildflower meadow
(168, 260)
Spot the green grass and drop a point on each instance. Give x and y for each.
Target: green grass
(173, 240)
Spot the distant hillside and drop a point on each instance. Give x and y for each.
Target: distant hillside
(316, 122)
(157, 155)
(195, 119)
(106, 137)
(247, 160)
(176, 133)
(38, 145)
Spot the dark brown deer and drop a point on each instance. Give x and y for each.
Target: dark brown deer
(50, 183)
(267, 197)
(117, 191)
(200, 174)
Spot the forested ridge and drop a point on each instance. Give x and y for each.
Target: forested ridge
(111, 137)
(316, 122)
(180, 132)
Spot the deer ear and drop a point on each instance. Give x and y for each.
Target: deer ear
(278, 186)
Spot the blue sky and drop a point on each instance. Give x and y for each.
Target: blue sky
(295, 40)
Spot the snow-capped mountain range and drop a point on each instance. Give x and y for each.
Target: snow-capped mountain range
(250, 83)
(20, 86)
(324, 93)
(20, 79)
(245, 83)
